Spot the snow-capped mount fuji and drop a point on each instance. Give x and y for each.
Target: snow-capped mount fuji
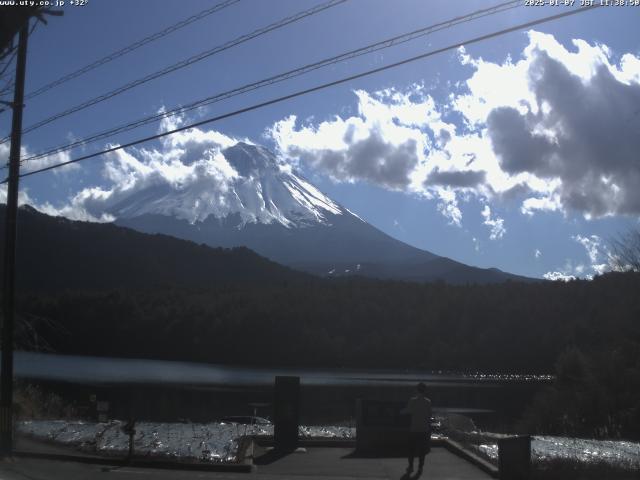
(270, 209)
(259, 191)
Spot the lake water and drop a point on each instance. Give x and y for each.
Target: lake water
(101, 370)
(167, 390)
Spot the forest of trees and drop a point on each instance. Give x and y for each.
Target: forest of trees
(511, 327)
(104, 290)
(588, 332)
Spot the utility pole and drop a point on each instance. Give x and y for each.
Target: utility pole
(9, 273)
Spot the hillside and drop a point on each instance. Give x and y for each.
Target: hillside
(102, 290)
(281, 215)
(59, 254)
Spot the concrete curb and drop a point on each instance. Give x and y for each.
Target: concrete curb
(139, 462)
(267, 441)
(450, 445)
(457, 449)
(245, 460)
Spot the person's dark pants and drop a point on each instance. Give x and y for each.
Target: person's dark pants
(418, 445)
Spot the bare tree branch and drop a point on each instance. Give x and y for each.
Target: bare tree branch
(625, 251)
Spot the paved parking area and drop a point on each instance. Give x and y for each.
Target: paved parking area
(315, 463)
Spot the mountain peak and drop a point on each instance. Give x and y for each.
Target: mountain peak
(261, 192)
(270, 208)
(246, 158)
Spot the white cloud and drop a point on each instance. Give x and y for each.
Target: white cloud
(558, 276)
(194, 175)
(565, 273)
(496, 224)
(592, 245)
(23, 196)
(529, 134)
(383, 144)
(77, 208)
(491, 86)
(398, 225)
(189, 162)
(533, 204)
(451, 212)
(397, 140)
(561, 121)
(597, 251)
(36, 164)
(551, 128)
(448, 206)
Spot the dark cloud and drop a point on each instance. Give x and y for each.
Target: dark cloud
(194, 150)
(456, 179)
(348, 135)
(595, 150)
(517, 192)
(371, 159)
(517, 147)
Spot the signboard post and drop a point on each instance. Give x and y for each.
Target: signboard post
(286, 412)
(514, 458)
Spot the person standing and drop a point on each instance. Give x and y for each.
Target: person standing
(419, 408)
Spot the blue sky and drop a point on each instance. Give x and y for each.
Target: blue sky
(531, 110)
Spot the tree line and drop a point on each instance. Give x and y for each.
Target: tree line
(587, 332)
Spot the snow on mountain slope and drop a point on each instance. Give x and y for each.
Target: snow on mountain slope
(260, 191)
(268, 208)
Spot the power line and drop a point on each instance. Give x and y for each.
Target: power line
(10, 84)
(15, 51)
(316, 88)
(9, 51)
(8, 63)
(185, 63)
(10, 75)
(130, 48)
(6, 89)
(400, 39)
(390, 42)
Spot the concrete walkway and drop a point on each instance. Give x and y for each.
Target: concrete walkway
(336, 463)
(315, 464)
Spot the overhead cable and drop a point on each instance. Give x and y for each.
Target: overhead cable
(316, 88)
(388, 43)
(130, 48)
(184, 63)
